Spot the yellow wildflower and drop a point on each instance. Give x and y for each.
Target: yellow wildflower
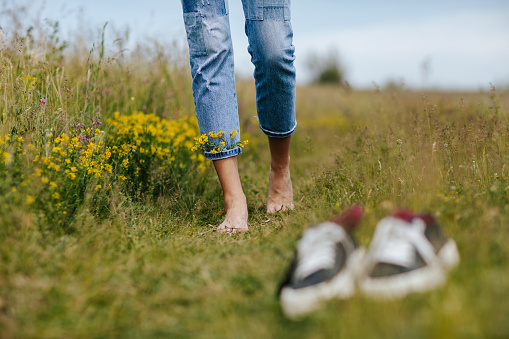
(7, 157)
(203, 139)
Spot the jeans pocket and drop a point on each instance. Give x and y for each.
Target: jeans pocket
(194, 30)
(278, 10)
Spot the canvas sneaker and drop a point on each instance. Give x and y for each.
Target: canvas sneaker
(408, 253)
(324, 265)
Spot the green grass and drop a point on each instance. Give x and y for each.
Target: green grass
(146, 269)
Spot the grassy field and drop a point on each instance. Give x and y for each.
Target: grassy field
(92, 246)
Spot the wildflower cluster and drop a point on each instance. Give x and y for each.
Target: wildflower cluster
(10, 150)
(12, 178)
(5, 157)
(217, 142)
(27, 81)
(141, 143)
(87, 162)
(64, 169)
(27, 87)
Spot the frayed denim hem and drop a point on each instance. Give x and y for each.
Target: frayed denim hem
(223, 154)
(278, 134)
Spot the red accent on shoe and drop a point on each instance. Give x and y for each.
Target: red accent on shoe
(404, 215)
(428, 218)
(349, 219)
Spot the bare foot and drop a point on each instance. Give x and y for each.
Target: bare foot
(236, 216)
(280, 191)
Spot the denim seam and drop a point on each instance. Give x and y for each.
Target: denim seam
(279, 134)
(223, 154)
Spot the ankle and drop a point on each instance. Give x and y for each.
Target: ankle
(234, 199)
(280, 165)
(280, 168)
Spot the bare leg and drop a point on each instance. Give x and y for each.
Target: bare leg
(233, 197)
(280, 184)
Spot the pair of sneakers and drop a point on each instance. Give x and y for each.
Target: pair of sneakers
(408, 253)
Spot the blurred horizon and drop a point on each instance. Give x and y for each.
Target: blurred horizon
(457, 45)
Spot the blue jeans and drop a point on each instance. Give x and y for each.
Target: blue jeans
(270, 34)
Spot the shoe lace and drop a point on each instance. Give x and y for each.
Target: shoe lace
(317, 249)
(395, 242)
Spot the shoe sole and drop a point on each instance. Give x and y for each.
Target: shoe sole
(419, 280)
(297, 302)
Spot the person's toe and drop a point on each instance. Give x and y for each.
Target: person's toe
(274, 208)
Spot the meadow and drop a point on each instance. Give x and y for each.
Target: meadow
(106, 212)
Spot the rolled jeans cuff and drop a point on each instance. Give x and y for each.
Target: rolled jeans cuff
(279, 134)
(223, 154)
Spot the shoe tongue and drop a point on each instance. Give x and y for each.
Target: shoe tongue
(398, 252)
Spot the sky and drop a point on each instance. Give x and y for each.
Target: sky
(447, 44)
